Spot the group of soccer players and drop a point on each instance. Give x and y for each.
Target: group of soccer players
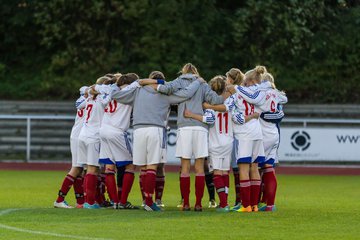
(230, 122)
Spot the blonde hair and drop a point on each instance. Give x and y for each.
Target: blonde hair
(157, 75)
(236, 75)
(218, 84)
(189, 68)
(255, 74)
(268, 77)
(101, 80)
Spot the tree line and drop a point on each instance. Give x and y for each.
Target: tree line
(51, 48)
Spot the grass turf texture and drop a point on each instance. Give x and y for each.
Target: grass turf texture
(309, 207)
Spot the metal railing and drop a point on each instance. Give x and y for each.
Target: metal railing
(29, 118)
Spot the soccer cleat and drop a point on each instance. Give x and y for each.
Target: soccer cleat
(212, 204)
(270, 208)
(180, 205)
(235, 207)
(245, 209)
(262, 206)
(198, 208)
(79, 205)
(223, 209)
(127, 205)
(185, 208)
(152, 208)
(107, 204)
(143, 203)
(159, 203)
(255, 208)
(91, 206)
(62, 204)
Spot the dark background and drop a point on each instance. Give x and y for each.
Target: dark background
(48, 49)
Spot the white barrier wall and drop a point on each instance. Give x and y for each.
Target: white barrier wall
(313, 144)
(305, 144)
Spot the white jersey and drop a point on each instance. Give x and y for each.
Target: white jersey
(79, 119)
(93, 116)
(273, 98)
(250, 130)
(221, 135)
(117, 115)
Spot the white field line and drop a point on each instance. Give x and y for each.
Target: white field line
(7, 211)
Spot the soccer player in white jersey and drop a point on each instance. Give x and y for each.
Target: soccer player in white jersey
(269, 119)
(235, 77)
(115, 147)
(250, 146)
(74, 177)
(89, 144)
(220, 142)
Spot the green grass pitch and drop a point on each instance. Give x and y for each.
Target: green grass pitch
(309, 207)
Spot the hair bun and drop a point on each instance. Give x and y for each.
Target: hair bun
(260, 69)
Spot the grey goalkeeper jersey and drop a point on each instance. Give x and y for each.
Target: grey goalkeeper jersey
(150, 108)
(194, 104)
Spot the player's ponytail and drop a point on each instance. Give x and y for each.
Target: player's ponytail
(268, 77)
(255, 74)
(189, 68)
(236, 76)
(218, 84)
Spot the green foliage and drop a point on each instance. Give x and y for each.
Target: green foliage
(51, 48)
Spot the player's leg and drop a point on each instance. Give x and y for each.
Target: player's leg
(199, 183)
(160, 184)
(127, 185)
(184, 151)
(92, 172)
(209, 175)
(110, 183)
(91, 185)
(236, 173)
(67, 183)
(245, 187)
(120, 171)
(220, 187)
(185, 183)
(270, 186)
(200, 149)
(79, 187)
(255, 180)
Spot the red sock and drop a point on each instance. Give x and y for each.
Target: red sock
(255, 191)
(79, 190)
(141, 182)
(221, 189)
(270, 185)
(245, 192)
(159, 187)
(237, 185)
(65, 187)
(149, 186)
(110, 183)
(199, 188)
(90, 188)
(185, 188)
(127, 184)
